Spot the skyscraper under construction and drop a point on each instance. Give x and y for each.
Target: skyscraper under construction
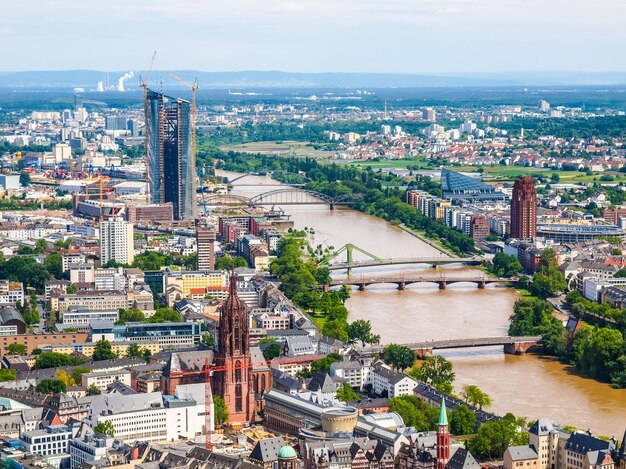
(170, 168)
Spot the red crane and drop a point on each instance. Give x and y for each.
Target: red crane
(208, 393)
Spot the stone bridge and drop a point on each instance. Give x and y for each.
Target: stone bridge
(512, 345)
(402, 282)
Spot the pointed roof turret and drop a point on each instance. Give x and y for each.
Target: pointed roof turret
(443, 416)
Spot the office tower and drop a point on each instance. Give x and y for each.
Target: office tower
(78, 102)
(235, 383)
(132, 125)
(429, 114)
(171, 172)
(115, 123)
(205, 241)
(524, 209)
(116, 241)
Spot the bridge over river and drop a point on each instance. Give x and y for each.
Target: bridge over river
(363, 282)
(512, 345)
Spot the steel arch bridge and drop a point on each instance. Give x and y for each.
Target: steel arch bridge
(283, 197)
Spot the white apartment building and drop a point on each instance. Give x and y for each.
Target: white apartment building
(11, 292)
(77, 316)
(102, 379)
(387, 382)
(72, 258)
(116, 241)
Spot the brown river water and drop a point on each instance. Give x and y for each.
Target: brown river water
(531, 386)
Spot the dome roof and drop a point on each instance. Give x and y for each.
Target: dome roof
(287, 452)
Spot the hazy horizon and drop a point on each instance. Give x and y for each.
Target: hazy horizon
(429, 37)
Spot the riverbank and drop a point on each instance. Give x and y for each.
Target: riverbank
(529, 386)
(421, 236)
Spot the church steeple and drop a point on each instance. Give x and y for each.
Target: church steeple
(443, 437)
(233, 380)
(443, 415)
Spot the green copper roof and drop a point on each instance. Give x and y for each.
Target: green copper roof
(287, 452)
(443, 416)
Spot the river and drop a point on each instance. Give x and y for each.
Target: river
(529, 386)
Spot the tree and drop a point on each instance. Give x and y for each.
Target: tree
(93, 390)
(78, 372)
(399, 357)
(323, 364)
(462, 421)
(273, 350)
(361, 330)
(51, 386)
(165, 315)
(24, 179)
(56, 360)
(548, 281)
(345, 393)
(344, 293)
(495, 437)
(220, 410)
(16, 349)
(228, 262)
(130, 315)
(504, 265)
(65, 378)
(415, 412)
(54, 264)
(41, 245)
(7, 375)
(336, 329)
(472, 394)
(133, 351)
(103, 351)
(105, 427)
(436, 371)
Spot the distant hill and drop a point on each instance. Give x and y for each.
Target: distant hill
(88, 79)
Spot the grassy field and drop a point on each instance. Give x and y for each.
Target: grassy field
(509, 173)
(396, 164)
(283, 148)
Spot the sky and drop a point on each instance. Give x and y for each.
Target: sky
(400, 36)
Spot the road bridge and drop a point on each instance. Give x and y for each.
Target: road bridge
(402, 282)
(512, 345)
(434, 261)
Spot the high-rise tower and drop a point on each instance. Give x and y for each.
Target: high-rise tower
(524, 209)
(234, 382)
(205, 241)
(116, 241)
(443, 437)
(170, 170)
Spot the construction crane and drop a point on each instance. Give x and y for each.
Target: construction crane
(208, 393)
(144, 84)
(193, 87)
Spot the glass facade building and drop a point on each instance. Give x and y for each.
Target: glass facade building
(171, 163)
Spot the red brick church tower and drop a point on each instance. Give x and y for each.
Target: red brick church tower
(443, 437)
(234, 382)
